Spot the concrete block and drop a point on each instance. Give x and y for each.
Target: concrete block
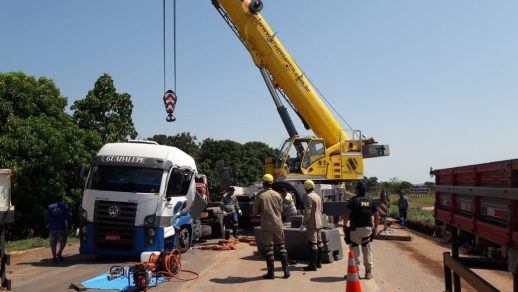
(334, 208)
(297, 244)
(296, 221)
(333, 241)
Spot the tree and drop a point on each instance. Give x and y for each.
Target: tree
(430, 184)
(370, 183)
(183, 141)
(247, 161)
(105, 111)
(43, 145)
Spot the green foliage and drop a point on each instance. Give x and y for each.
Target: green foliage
(183, 141)
(106, 112)
(26, 244)
(43, 145)
(247, 161)
(430, 185)
(416, 213)
(370, 183)
(395, 186)
(24, 96)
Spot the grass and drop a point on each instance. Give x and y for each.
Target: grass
(416, 214)
(25, 244)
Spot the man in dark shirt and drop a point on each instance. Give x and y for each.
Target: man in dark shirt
(359, 212)
(58, 216)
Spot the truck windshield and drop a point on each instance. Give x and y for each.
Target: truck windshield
(125, 179)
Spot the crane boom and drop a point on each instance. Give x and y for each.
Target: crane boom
(267, 51)
(332, 155)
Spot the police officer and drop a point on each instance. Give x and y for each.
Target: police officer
(268, 205)
(312, 222)
(359, 212)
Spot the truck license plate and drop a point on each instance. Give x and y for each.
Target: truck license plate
(113, 237)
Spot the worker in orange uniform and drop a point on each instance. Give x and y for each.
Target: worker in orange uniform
(312, 224)
(268, 205)
(360, 212)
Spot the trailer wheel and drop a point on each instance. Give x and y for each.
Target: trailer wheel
(183, 240)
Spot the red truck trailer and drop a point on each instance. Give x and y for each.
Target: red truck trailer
(479, 203)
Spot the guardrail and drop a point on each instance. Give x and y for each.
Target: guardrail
(462, 271)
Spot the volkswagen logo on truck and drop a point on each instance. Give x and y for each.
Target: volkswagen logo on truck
(113, 211)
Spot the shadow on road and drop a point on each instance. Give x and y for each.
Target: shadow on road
(252, 258)
(77, 259)
(236, 280)
(327, 279)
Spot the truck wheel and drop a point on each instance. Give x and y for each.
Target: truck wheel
(218, 227)
(183, 240)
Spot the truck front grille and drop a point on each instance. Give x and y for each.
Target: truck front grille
(114, 225)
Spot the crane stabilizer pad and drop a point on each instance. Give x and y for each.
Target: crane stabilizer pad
(388, 235)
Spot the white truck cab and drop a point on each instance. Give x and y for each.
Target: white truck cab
(136, 194)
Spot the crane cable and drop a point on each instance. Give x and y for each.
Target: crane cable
(164, 42)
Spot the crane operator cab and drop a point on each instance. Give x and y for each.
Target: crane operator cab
(310, 158)
(302, 156)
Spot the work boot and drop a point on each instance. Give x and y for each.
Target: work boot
(227, 234)
(312, 261)
(320, 252)
(234, 232)
(269, 266)
(285, 267)
(368, 275)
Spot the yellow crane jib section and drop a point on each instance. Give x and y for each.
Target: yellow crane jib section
(267, 51)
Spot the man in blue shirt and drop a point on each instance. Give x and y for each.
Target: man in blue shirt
(58, 216)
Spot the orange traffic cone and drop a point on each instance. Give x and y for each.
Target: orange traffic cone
(353, 279)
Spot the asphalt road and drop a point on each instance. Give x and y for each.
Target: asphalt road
(414, 265)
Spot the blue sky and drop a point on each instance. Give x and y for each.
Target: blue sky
(436, 80)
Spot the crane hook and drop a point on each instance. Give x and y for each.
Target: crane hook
(170, 103)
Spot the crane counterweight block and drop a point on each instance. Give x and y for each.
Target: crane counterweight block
(170, 104)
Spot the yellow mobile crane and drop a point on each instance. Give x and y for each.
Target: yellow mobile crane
(331, 155)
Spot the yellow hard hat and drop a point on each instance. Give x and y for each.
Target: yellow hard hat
(268, 178)
(309, 184)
